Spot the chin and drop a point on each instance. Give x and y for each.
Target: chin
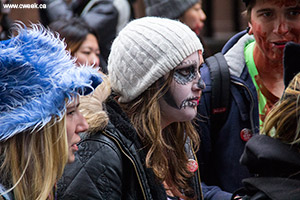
(71, 158)
(188, 116)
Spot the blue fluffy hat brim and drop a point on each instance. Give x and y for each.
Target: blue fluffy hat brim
(37, 79)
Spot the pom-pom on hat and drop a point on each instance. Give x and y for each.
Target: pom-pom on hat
(145, 50)
(171, 9)
(37, 78)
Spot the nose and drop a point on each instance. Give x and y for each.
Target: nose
(281, 27)
(201, 84)
(82, 125)
(202, 15)
(95, 60)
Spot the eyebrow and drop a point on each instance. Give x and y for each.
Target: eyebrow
(75, 106)
(187, 63)
(297, 7)
(264, 10)
(89, 48)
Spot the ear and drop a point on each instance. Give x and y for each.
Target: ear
(199, 52)
(250, 32)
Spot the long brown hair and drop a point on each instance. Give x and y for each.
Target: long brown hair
(283, 121)
(165, 148)
(32, 162)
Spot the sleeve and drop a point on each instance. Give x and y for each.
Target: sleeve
(214, 193)
(96, 173)
(55, 10)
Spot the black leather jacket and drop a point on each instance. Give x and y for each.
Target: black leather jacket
(110, 166)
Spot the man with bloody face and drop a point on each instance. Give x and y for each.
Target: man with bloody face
(255, 59)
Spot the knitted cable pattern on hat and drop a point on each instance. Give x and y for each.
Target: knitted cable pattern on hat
(145, 50)
(171, 9)
(37, 76)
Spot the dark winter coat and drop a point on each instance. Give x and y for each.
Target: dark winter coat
(220, 152)
(110, 165)
(276, 167)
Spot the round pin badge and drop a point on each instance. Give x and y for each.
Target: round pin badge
(246, 134)
(192, 165)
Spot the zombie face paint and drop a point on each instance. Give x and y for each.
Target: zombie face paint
(274, 23)
(187, 74)
(180, 102)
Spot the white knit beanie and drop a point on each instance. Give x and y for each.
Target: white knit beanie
(145, 50)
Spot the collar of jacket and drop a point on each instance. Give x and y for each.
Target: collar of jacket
(234, 54)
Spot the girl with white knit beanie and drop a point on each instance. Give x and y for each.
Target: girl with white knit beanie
(147, 150)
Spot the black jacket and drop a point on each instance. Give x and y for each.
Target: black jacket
(110, 165)
(276, 167)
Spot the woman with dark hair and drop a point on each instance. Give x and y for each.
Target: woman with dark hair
(107, 18)
(81, 40)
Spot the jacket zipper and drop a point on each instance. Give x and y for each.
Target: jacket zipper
(251, 105)
(135, 168)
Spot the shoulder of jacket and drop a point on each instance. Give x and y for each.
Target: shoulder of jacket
(99, 141)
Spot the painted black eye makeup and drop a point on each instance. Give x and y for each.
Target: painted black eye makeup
(186, 74)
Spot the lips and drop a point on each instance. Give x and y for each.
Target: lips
(193, 98)
(74, 147)
(190, 102)
(280, 44)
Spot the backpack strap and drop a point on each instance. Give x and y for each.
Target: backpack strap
(220, 92)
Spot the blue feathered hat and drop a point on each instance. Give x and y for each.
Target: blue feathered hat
(37, 78)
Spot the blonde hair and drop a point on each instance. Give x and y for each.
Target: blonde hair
(283, 121)
(166, 148)
(91, 106)
(34, 161)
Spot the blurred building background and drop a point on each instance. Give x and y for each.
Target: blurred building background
(224, 19)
